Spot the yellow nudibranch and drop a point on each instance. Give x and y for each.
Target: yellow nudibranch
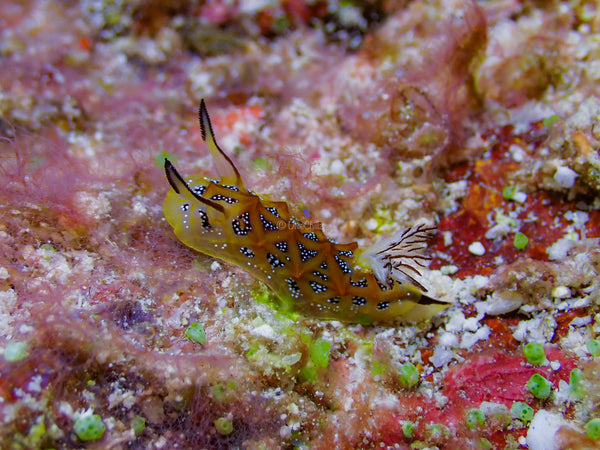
(307, 271)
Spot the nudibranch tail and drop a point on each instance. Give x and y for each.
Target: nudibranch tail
(306, 270)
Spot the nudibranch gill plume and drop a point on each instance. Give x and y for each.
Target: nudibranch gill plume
(308, 272)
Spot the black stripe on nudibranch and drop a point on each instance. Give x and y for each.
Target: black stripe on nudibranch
(273, 210)
(198, 189)
(231, 187)
(360, 283)
(185, 207)
(317, 287)
(282, 246)
(225, 198)
(321, 275)
(359, 301)
(383, 305)
(347, 253)
(295, 223)
(305, 253)
(311, 236)
(267, 225)
(247, 252)
(343, 264)
(274, 261)
(236, 224)
(334, 300)
(294, 288)
(382, 286)
(204, 218)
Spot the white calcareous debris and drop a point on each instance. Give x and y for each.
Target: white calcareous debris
(580, 321)
(447, 236)
(138, 206)
(35, 384)
(562, 247)
(55, 265)
(542, 431)
(561, 395)
(469, 339)
(497, 231)
(442, 355)
(266, 331)
(518, 154)
(93, 205)
(452, 289)
(491, 409)
(471, 324)
(450, 269)
(499, 302)
(561, 292)
(337, 167)
(8, 305)
(576, 340)
(455, 322)
(291, 359)
(519, 197)
(371, 224)
(448, 339)
(539, 329)
(477, 248)
(579, 218)
(565, 176)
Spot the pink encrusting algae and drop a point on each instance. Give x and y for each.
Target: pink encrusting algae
(364, 116)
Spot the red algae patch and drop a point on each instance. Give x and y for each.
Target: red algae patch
(480, 117)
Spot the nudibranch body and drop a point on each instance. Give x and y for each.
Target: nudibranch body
(308, 272)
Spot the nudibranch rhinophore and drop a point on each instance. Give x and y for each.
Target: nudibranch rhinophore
(308, 272)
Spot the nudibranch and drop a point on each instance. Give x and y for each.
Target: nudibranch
(308, 272)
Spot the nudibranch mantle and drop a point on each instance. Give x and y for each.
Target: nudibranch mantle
(308, 272)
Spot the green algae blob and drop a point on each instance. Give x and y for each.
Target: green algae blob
(89, 428)
(15, 351)
(409, 375)
(195, 333)
(224, 426)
